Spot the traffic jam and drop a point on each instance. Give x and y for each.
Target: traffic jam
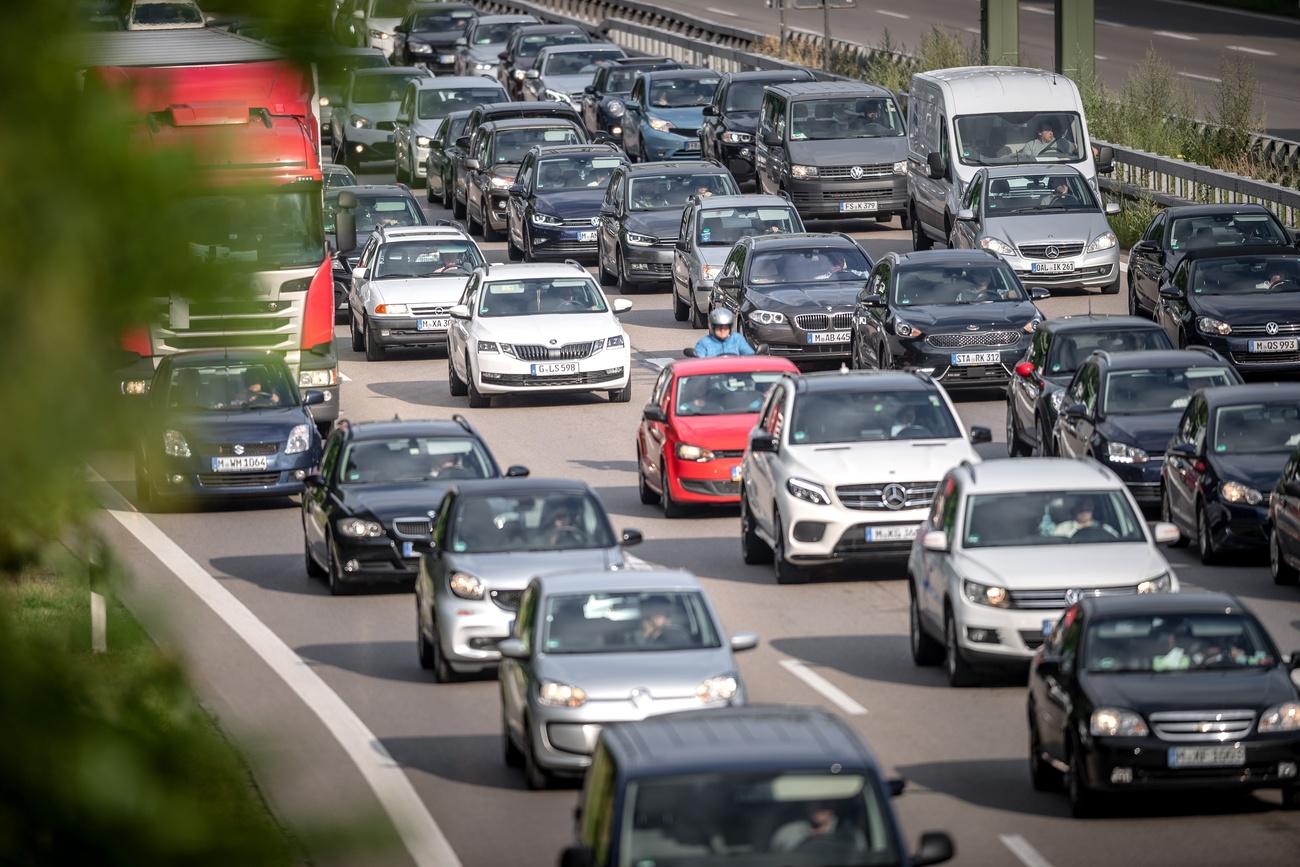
(515, 199)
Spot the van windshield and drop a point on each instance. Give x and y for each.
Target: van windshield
(845, 117)
(1020, 137)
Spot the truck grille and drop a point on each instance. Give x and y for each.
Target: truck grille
(845, 173)
(568, 352)
(1063, 250)
(871, 498)
(412, 528)
(271, 324)
(974, 338)
(1202, 725)
(824, 321)
(1054, 600)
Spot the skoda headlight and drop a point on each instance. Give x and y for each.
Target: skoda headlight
(900, 167)
(902, 329)
(993, 245)
(693, 453)
(465, 585)
(1123, 453)
(1111, 722)
(803, 171)
(737, 137)
(423, 141)
(986, 594)
(766, 317)
(1281, 718)
(615, 342)
(1236, 492)
(359, 528)
(638, 240)
(486, 346)
(1104, 241)
(660, 124)
(1162, 583)
(299, 440)
(1210, 325)
(615, 108)
(391, 310)
(809, 492)
(359, 122)
(723, 687)
(558, 694)
(540, 219)
(174, 444)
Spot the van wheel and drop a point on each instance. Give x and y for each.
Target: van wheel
(458, 209)
(920, 240)
(698, 319)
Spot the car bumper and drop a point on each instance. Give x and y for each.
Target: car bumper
(562, 242)
(716, 481)
(608, 370)
(1142, 480)
(469, 630)
(950, 365)
(375, 561)
(647, 264)
(993, 637)
(1270, 761)
(789, 340)
(824, 535)
(421, 162)
(370, 144)
(405, 331)
(1237, 350)
(739, 160)
(194, 478)
(1238, 526)
(668, 146)
(1091, 270)
(849, 199)
(440, 63)
(494, 209)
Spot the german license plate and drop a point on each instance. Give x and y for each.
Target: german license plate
(1224, 756)
(1281, 344)
(555, 368)
(691, 146)
(238, 464)
(586, 237)
(1051, 267)
(432, 324)
(408, 549)
(905, 533)
(1047, 626)
(864, 205)
(735, 473)
(966, 359)
(446, 58)
(829, 337)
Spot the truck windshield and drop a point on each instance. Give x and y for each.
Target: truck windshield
(1020, 137)
(272, 230)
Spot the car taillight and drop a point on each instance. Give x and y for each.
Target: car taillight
(137, 340)
(318, 311)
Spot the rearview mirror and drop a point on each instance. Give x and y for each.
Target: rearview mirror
(1165, 533)
(458, 311)
(742, 641)
(621, 305)
(965, 215)
(935, 540)
(1112, 208)
(472, 164)
(630, 537)
(654, 412)
(937, 168)
(979, 434)
(762, 441)
(1039, 293)
(313, 397)
(936, 847)
(516, 471)
(512, 648)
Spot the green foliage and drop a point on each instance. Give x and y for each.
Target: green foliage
(1132, 220)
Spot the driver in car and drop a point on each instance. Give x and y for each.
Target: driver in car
(255, 394)
(563, 527)
(1081, 521)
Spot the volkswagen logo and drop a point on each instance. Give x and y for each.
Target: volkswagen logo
(238, 449)
(894, 496)
(856, 173)
(640, 699)
(595, 221)
(1073, 595)
(1052, 252)
(1271, 328)
(553, 341)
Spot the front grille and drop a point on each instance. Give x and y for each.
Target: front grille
(685, 131)
(815, 196)
(974, 338)
(1054, 600)
(241, 324)
(506, 600)
(713, 489)
(1202, 725)
(428, 310)
(580, 222)
(565, 247)
(728, 453)
(1260, 329)
(988, 373)
(247, 449)
(854, 541)
(1039, 251)
(808, 349)
(1033, 638)
(567, 352)
(238, 480)
(845, 173)
(1263, 358)
(524, 379)
(824, 321)
(871, 498)
(413, 528)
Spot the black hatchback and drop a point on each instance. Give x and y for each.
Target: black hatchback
(731, 120)
(554, 204)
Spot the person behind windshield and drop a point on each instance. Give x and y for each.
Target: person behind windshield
(721, 339)
(1082, 520)
(1279, 280)
(448, 262)
(981, 290)
(1046, 140)
(1172, 646)
(1061, 196)
(820, 823)
(657, 626)
(562, 526)
(703, 190)
(256, 394)
(561, 299)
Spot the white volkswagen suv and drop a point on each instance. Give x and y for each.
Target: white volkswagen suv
(1009, 545)
(842, 467)
(537, 328)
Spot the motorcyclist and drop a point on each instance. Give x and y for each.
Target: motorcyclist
(722, 339)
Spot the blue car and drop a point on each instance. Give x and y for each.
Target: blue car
(554, 206)
(665, 112)
(225, 425)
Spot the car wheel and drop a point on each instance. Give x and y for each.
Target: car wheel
(358, 339)
(399, 175)
(374, 349)
(535, 775)
(1205, 538)
(477, 399)
(144, 496)
(472, 226)
(1291, 797)
(1042, 776)
(959, 671)
(625, 286)
(1133, 309)
(490, 234)
(1283, 572)
(681, 310)
(699, 319)
(455, 384)
(606, 279)
(672, 508)
(1045, 440)
(512, 252)
(333, 569)
(424, 646)
(644, 491)
(1083, 800)
(925, 650)
(1111, 288)
(446, 194)
(920, 240)
(1167, 515)
(442, 670)
(458, 209)
(514, 757)
(428, 190)
(621, 395)
(314, 569)
(786, 572)
(1016, 447)
(753, 550)
(883, 361)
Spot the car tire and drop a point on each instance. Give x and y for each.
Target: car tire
(358, 339)
(537, 777)
(1283, 572)
(455, 384)
(753, 550)
(624, 285)
(333, 575)
(458, 208)
(490, 234)
(1205, 538)
(424, 647)
(442, 670)
(786, 572)
(374, 349)
(959, 671)
(1167, 515)
(926, 651)
(1083, 801)
(621, 395)
(313, 569)
(1133, 308)
(510, 753)
(447, 201)
(1111, 288)
(643, 490)
(477, 399)
(1291, 797)
(1016, 447)
(920, 240)
(513, 253)
(681, 310)
(428, 192)
(606, 279)
(698, 319)
(399, 175)
(472, 226)
(144, 495)
(1045, 440)
(1042, 776)
(672, 508)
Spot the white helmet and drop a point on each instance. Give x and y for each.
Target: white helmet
(721, 317)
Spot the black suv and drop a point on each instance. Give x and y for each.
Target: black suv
(1122, 408)
(377, 492)
(731, 120)
(486, 114)
(1059, 346)
(959, 315)
(794, 293)
(521, 51)
(372, 205)
(604, 100)
(492, 164)
(428, 34)
(641, 218)
(554, 205)
(1175, 231)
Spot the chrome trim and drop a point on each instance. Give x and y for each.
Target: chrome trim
(1204, 726)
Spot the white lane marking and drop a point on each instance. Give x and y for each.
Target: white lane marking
(1101, 57)
(726, 12)
(1246, 49)
(343, 376)
(418, 830)
(1200, 77)
(886, 12)
(974, 30)
(830, 691)
(1169, 34)
(1104, 23)
(1027, 854)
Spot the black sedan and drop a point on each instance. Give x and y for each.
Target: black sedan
(427, 35)
(377, 493)
(727, 134)
(1162, 691)
(440, 170)
(520, 54)
(554, 206)
(603, 101)
(224, 424)
(960, 315)
(1059, 346)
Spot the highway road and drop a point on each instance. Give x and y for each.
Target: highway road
(1191, 37)
(962, 752)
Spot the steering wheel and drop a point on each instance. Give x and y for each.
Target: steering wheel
(1092, 533)
(567, 533)
(259, 398)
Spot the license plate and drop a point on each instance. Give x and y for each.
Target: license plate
(866, 205)
(735, 473)
(557, 368)
(1282, 344)
(966, 359)
(408, 549)
(904, 533)
(1229, 756)
(1047, 626)
(234, 465)
(446, 58)
(432, 324)
(691, 146)
(586, 237)
(829, 337)
(1051, 267)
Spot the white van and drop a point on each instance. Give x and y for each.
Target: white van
(962, 119)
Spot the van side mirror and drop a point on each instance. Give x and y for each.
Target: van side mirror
(1105, 160)
(935, 848)
(313, 397)
(937, 168)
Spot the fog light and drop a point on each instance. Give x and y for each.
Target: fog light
(744, 152)
(1286, 770)
(358, 148)
(809, 531)
(640, 266)
(135, 387)
(300, 474)
(616, 130)
(982, 636)
(384, 332)
(1121, 776)
(178, 480)
(351, 566)
(329, 395)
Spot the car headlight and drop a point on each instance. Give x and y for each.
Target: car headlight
(500, 182)
(693, 453)
(540, 219)
(419, 48)
(900, 167)
(710, 271)
(986, 594)
(1032, 325)
(617, 340)
(811, 492)
(465, 585)
(1123, 453)
(993, 245)
(1210, 325)
(615, 108)
(766, 317)
(559, 96)
(484, 67)
(902, 329)
(391, 310)
(1162, 583)
(519, 75)
(737, 137)
(379, 34)
(660, 124)
(1283, 717)
(639, 240)
(799, 171)
(324, 101)
(322, 378)
(174, 444)
(1112, 722)
(359, 122)
(423, 141)
(486, 346)
(1104, 241)
(1057, 400)
(558, 694)
(722, 687)
(359, 528)
(299, 440)
(1236, 492)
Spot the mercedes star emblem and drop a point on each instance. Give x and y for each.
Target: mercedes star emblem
(856, 173)
(239, 449)
(972, 328)
(553, 341)
(1271, 328)
(894, 496)
(1052, 252)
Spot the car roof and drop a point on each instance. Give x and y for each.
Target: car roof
(1202, 602)
(549, 28)
(579, 47)
(1097, 322)
(1197, 254)
(746, 200)
(349, 51)
(373, 189)
(1231, 395)
(507, 19)
(541, 106)
(396, 427)
(851, 380)
(676, 168)
(525, 123)
(770, 74)
(398, 233)
(639, 61)
(447, 82)
(687, 72)
(1013, 171)
(378, 71)
(533, 270)
(1153, 358)
(593, 148)
(747, 738)
(799, 89)
(731, 364)
(998, 87)
(796, 240)
(522, 485)
(950, 258)
(1039, 474)
(1177, 211)
(627, 581)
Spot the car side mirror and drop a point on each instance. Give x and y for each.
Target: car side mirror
(591, 88)
(1076, 411)
(935, 848)
(472, 164)
(762, 441)
(463, 142)
(602, 137)
(314, 480)
(1039, 293)
(1105, 160)
(1048, 666)
(516, 471)
(1111, 209)
(771, 139)
(1165, 533)
(512, 648)
(867, 298)
(630, 537)
(577, 856)
(935, 163)
(458, 311)
(935, 540)
(728, 283)
(607, 211)
(632, 104)
(654, 412)
(532, 74)
(313, 397)
(358, 273)
(515, 190)
(689, 352)
(966, 215)
(1182, 449)
(710, 110)
(1026, 370)
(1171, 292)
(1294, 663)
(359, 14)
(896, 786)
(980, 434)
(504, 55)
(742, 641)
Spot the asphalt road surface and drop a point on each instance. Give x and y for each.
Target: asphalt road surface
(963, 753)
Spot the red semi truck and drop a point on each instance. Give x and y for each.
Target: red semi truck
(251, 120)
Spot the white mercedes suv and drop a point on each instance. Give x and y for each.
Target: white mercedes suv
(537, 328)
(1009, 545)
(842, 467)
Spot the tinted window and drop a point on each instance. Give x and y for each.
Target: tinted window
(1050, 518)
(166, 13)
(426, 258)
(374, 211)
(646, 193)
(440, 103)
(745, 95)
(413, 459)
(723, 227)
(627, 623)
(1225, 230)
(526, 297)
(489, 34)
(976, 284)
(858, 416)
(724, 393)
(541, 522)
(1245, 275)
(530, 45)
(1026, 194)
(1069, 350)
(1256, 428)
(370, 89)
(438, 20)
(1161, 389)
(1168, 643)
(681, 92)
(832, 264)
(845, 117)
(619, 80)
(575, 173)
(1019, 137)
(230, 387)
(573, 63)
(510, 145)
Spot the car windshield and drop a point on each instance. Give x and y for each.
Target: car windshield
(652, 192)
(440, 103)
(510, 145)
(426, 258)
(830, 264)
(1245, 275)
(1019, 137)
(529, 522)
(724, 393)
(375, 211)
(413, 459)
(546, 295)
(748, 95)
(919, 286)
(269, 230)
(723, 227)
(1030, 194)
(681, 92)
(822, 417)
(580, 172)
(441, 20)
(333, 69)
(166, 13)
(627, 623)
(620, 80)
(1225, 230)
(529, 46)
(1031, 518)
(338, 176)
(389, 8)
(845, 117)
(1160, 389)
(1071, 349)
(767, 818)
(495, 32)
(1257, 428)
(1176, 642)
(373, 89)
(230, 387)
(577, 62)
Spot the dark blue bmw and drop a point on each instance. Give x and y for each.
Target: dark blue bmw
(554, 204)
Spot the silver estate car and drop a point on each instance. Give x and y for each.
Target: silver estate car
(1046, 221)
(591, 648)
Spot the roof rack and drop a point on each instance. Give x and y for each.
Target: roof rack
(576, 264)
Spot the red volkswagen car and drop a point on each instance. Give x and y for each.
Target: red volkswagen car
(695, 428)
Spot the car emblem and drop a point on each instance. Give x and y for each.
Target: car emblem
(1052, 252)
(641, 699)
(239, 449)
(894, 496)
(972, 328)
(595, 221)
(856, 173)
(1271, 328)
(1073, 595)
(553, 341)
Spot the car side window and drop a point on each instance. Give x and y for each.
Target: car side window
(1198, 414)
(774, 398)
(945, 489)
(880, 281)
(735, 263)
(778, 108)
(481, 150)
(943, 142)
(766, 116)
(442, 519)
(1091, 380)
(1071, 632)
(470, 288)
(1180, 278)
(526, 172)
(661, 386)
(526, 620)
(1156, 228)
(597, 822)
(443, 128)
(404, 110)
(948, 517)
(331, 457)
(368, 254)
(973, 194)
(776, 424)
(1077, 386)
(638, 89)
(684, 231)
(1038, 349)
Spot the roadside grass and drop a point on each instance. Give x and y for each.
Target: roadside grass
(1132, 220)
